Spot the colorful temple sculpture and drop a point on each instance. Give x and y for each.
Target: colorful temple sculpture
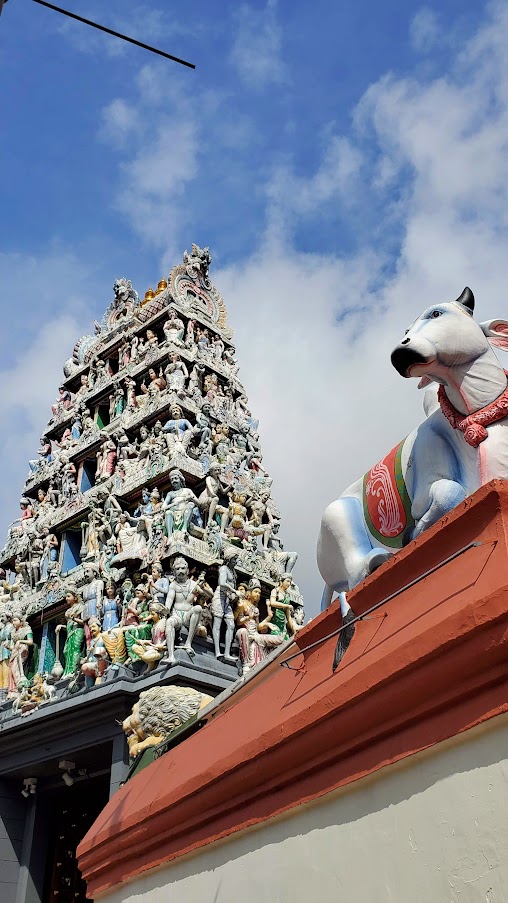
(147, 552)
(368, 762)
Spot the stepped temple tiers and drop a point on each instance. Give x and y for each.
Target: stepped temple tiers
(146, 555)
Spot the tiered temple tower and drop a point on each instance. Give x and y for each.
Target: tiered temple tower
(151, 455)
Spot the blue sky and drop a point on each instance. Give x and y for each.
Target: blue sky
(344, 162)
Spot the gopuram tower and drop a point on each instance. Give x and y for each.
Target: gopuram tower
(146, 559)
(147, 531)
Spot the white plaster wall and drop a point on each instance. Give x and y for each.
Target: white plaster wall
(432, 830)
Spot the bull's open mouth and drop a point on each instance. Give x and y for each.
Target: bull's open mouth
(404, 357)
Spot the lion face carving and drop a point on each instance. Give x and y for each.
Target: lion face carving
(159, 712)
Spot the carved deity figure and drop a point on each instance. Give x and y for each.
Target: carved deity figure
(21, 644)
(176, 374)
(182, 607)
(255, 640)
(151, 650)
(96, 660)
(280, 609)
(92, 594)
(174, 328)
(178, 504)
(6, 631)
(221, 606)
(75, 640)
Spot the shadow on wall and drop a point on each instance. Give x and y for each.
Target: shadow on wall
(446, 818)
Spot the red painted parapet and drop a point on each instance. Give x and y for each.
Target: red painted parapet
(428, 664)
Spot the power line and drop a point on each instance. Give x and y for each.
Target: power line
(116, 34)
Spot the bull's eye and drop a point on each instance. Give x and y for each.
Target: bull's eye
(436, 313)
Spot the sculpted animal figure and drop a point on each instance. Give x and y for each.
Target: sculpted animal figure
(159, 712)
(461, 445)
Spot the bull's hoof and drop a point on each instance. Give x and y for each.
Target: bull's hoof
(376, 558)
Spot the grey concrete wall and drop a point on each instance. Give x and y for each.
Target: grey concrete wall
(12, 826)
(433, 829)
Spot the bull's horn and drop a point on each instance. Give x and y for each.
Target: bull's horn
(467, 299)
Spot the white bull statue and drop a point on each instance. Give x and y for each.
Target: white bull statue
(461, 445)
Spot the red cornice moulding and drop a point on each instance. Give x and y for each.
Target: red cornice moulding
(428, 665)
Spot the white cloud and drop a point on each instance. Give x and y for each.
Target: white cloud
(330, 403)
(257, 47)
(424, 30)
(35, 345)
(118, 122)
(154, 181)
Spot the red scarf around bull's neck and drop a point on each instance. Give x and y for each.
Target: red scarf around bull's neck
(474, 425)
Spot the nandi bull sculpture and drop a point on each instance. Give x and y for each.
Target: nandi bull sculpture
(461, 445)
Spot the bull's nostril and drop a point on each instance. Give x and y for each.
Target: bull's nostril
(405, 341)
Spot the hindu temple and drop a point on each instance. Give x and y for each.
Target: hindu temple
(145, 568)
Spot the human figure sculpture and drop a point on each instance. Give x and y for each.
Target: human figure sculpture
(182, 606)
(63, 402)
(6, 631)
(280, 609)
(255, 641)
(208, 500)
(151, 650)
(106, 460)
(111, 607)
(174, 328)
(156, 385)
(221, 606)
(21, 644)
(275, 548)
(75, 640)
(176, 427)
(158, 584)
(92, 594)
(50, 553)
(96, 660)
(135, 621)
(176, 374)
(178, 504)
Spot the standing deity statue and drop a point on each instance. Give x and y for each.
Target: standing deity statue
(280, 609)
(92, 593)
(182, 607)
(221, 606)
(74, 643)
(21, 645)
(176, 374)
(158, 584)
(6, 631)
(111, 607)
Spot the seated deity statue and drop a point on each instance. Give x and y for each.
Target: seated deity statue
(179, 504)
(151, 650)
(174, 328)
(182, 606)
(255, 639)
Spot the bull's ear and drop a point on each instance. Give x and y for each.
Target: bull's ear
(467, 299)
(496, 332)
